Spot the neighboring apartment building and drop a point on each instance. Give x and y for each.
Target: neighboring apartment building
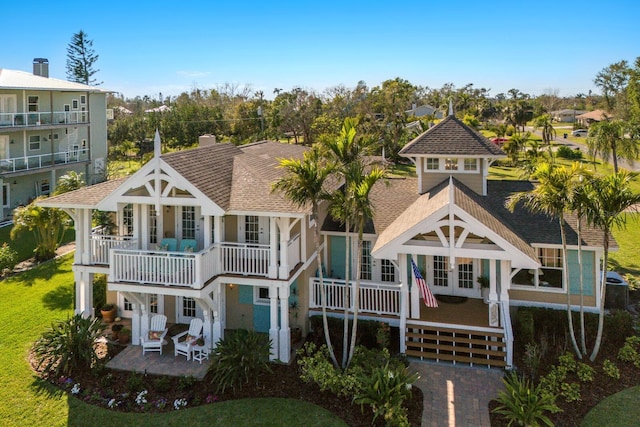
(47, 128)
(202, 235)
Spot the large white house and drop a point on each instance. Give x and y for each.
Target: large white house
(47, 128)
(252, 254)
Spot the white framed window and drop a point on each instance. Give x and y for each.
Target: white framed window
(387, 271)
(366, 261)
(188, 307)
(451, 164)
(261, 296)
(470, 164)
(153, 303)
(55, 136)
(127, 306)
(74, 104)
(251, 229)
(432, 163)
(550, 275)
(83, 99)
(83, 114)
(440, 270)
(32, 104)
(465, 273)
(127, 219)
(188, 222)
(34, 142)
(67, 107)
(153, 224)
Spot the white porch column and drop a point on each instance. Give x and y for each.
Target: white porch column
(505, 274)
(415, 292)
(493, 281)
(273, 329)
(404, 298)
(135, 323)
(137, 223)
(218, 223)
(285, 233)
(144, 317)
(207, 231)
(285, 331)
(84, 292)
(144, 227)
(273, 249)
(207, 331)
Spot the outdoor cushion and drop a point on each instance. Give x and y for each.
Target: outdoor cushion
(155, 335)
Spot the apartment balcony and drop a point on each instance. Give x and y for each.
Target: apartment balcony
(41, 161)
(188, 269)
(43, 119)
(375, 298)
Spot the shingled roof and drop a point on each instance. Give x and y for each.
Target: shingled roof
(85, 197)
(451, 137)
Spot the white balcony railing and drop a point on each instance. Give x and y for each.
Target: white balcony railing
(43, 118)
(245, 259)
(18, 164)
(101, 244)
(374, 297)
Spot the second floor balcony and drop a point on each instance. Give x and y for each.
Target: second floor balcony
(40, 161)
(43, 118)
(127, 264)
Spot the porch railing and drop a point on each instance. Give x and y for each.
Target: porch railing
(375, 298)
(101, 244)
(43, 118)
(155, 267)
(39, 161)
(470, 345)
(245, 258)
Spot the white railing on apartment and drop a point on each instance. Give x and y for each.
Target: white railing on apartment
(43, 118)
(375, 298)
(293, 251)
(39, 161)
(101, 244)
(505, 322)
(245, 258)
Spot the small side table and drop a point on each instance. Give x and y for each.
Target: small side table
(199, 353)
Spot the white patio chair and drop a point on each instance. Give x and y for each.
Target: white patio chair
(155, 337)
(185, 346)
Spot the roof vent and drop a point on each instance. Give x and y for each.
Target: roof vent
(41, 67)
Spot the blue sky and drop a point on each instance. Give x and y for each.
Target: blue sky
(169, 47)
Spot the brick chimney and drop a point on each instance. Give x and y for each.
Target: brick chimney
(41, 67)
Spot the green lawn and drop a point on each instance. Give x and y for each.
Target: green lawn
(626, 259)
(31, 301)
(619, 410)
(25, 244)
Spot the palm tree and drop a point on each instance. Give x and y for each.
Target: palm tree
(607, 198)
(304, 184)
(552, 196)
(348, 154)
(548, 131)
(607, 138)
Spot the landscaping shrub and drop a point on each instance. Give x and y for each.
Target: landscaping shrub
(240, 356)
(568, 153)
(385, 389)
(99, 291)
(524, 404)
(585, 372)
(8, 258)
(532, 357)
(629, 351)
(316, 366)
(135, 382)
(525, 327)
(68, 346)
(610, 369)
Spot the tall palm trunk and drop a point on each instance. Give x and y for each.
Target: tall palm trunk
(603, 280)
(346, 299)
(323, 295)
(356, 299)
(583, 343)
(565, 279)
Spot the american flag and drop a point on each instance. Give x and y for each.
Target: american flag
(427, 296)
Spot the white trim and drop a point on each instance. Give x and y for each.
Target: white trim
(555, 306)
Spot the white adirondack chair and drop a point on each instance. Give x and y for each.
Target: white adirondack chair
(185, 346)
(154, 340)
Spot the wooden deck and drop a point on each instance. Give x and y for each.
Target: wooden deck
(471, 312)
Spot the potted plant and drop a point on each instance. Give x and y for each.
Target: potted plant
(483, 281)
(124, 335)
(108, 312)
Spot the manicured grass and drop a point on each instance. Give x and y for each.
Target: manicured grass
(621, 410)
(31, 301)
(627, 259)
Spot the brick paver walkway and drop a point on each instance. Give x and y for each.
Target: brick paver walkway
(456, 395)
